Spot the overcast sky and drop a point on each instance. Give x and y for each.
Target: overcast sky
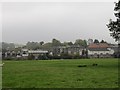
(65, 21)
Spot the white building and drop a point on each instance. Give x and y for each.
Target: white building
(100, 50)
(26, 53)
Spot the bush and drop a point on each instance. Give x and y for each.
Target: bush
(31, 57)
(65, 56)
(42, 57)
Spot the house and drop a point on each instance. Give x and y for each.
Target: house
(75, 49)
(116, 49)
(24, 53)
(9, 54)
(57, 50)
(71, 50)
(100, 50)
(34, 53)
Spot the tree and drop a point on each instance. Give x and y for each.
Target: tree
(70, 43)
(114, 26)
(32, 45)
(81, 42)
(41, 43)
(102, 41)
(47, 46)
(8, 46)
(96, 41)
(56, 42)
(67, 43)
(85, 43)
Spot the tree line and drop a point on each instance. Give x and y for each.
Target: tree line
(42, 45)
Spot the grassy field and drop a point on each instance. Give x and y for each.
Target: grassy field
(61, 74)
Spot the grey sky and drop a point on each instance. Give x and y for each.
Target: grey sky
(23, 22)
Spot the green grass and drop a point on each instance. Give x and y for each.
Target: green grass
(61, 74)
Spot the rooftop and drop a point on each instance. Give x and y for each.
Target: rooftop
(98, 49)
(99, 45)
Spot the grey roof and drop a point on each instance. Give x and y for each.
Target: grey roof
(98, 49)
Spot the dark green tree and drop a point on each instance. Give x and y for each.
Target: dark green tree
(96, 41)
(33, 45)
(67, 43)
(8, 46)
(102, 41)
(56, 42)
(47, 46)
(114, 26)
(81, 42)
(41, 43)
